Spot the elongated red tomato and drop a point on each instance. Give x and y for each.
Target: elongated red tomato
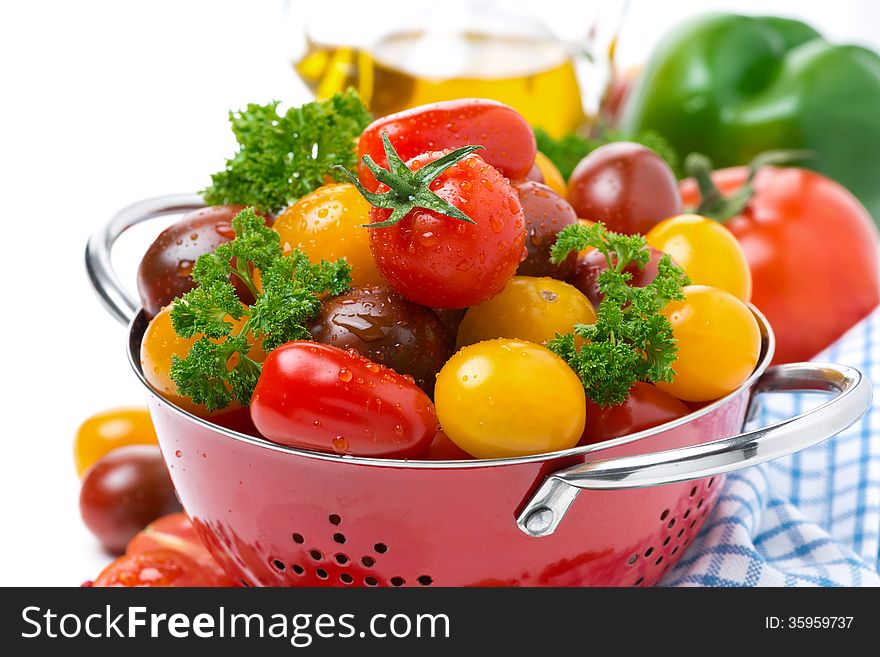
(317, 397)
(508, 140)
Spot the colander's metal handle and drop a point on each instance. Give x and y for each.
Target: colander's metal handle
(548, 505)
(118, 301)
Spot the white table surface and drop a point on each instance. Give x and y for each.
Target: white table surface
(104, 103)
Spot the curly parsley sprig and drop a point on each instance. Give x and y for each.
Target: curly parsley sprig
(218, 369)
(282, 157)
(631, 340)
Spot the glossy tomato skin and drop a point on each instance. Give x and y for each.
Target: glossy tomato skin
(626, 186)
(707, 251)
(317, 397)
(812, 250)
(175, 532)
(388, 329)
(550, 175)
(507, 139)
(719, 343)
(546, 213)
(507, 398)
(157, 568)
(124, 492)
(529, 308)
(327, 225)
(107, 430)
(442, 262)
(165, 272)
(592, 263)
(646, 407)
(443, 449)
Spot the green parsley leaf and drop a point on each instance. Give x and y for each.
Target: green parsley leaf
(567, 151)
(631, 340)
(217, 370)
(282, 157)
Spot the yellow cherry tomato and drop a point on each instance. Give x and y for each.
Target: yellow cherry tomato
(107, 430)
(552, 177)
(506, 398)
(719, 343)
(327, 225)
(707, 251)
(160, 343)
(529, 308)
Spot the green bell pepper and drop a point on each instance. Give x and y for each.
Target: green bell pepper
(731, 87)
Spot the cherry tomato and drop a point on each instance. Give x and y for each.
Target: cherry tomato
(529, 308)
(327, 225)
(719, 343)
(545, 213)
(108, 430)
(159, 344)
(645, 407)
(165, 272)
(550, 175)
(505, 398)
(507, 139)
(591, 263)
(314, 396)
(707, 251)
(124, 492)
(158, 568)
(626, 186)
(388, 329)
(175, 532)
(812, 250)
(443, 449)
(442, 262)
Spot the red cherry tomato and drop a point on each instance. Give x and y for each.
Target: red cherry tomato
(812, 250)
(644, 408)
(443, 449)
(154, 569)
(317, 397)
(175, 532)
(508, 140)
(592, 263)
(442, 262)
(626, 186)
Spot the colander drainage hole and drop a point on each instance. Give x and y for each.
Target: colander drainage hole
(659, 561)
(369, 580)
(334, 519)
(649, 552)
(632, 560)
(316, 555)
(674, 550)
(666, 541)
(680, 532)
(299, 570)
(670, 524)
(320, 572)
(298, 538)
(638, 581)
(381, 548)
(339, 538)
(425, 580)
(664, 515)
(368, 561)
(345, 578)
(279, 565)
(341, 559)
(694, 491)
(711, 481)
(397, 581)
(686, 514)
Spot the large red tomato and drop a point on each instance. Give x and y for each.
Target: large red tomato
(812, 249)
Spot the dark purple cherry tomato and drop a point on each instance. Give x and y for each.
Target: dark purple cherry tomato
(388, 329)
(546, 213)
(646, 406)
(165, 271)
(586, 273)
(317, 397)
(626, 186)
(124, 492)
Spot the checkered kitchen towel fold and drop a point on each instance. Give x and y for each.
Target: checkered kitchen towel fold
(810, 519)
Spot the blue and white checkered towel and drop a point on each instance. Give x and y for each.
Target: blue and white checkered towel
(810, 519)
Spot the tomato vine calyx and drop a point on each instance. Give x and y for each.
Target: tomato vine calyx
(713, 204)
(409, 189)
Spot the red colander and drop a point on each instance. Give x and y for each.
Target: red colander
(619, 513)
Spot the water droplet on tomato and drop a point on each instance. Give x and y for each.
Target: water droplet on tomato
(225, 230)
(317, 424)
(496, 224)
(185, 268)
(178, 453)
(345, 375)
(549, 295)
(340, 445)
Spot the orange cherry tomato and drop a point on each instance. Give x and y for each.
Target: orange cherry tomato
(327, 225)
(108, 430)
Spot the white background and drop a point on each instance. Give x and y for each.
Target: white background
(103, 103)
